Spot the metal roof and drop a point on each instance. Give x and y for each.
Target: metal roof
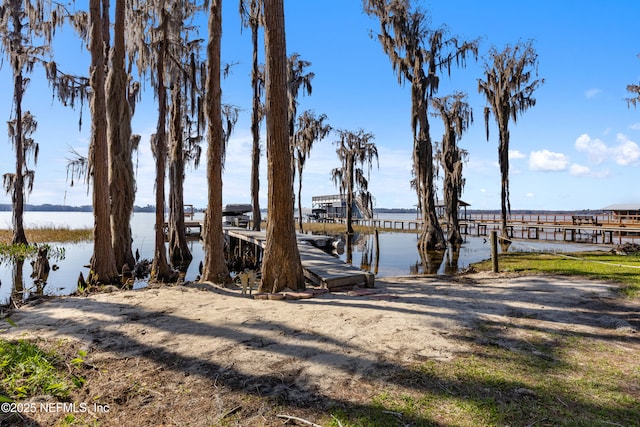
(623, 207)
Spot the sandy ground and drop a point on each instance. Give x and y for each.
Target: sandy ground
(322, 345)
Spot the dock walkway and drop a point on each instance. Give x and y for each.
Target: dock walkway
(597, 229)
(319, 267)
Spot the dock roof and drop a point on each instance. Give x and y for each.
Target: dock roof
(623, 207)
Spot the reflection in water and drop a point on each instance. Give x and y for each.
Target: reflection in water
(369, 247)
(377, 259)
(430, 262)
(394, 249)
(367, 255)
(349, 248)
(396, 254)
(20, 291)
(18, 283)
(452, 258)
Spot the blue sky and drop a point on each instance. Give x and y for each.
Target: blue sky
(578, 148)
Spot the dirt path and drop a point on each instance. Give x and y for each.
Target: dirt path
(303, 352)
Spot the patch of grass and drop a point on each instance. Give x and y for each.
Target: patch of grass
(624, 269)
(27, 370)
(564, 381)
(59, 234)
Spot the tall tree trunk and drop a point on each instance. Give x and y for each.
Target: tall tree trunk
(300, 225)
(349, 178)
(281, 266)
(178, 249)
(160, 270)
(503, 156)
(103, 263)
(451, 208)
(451, 190)
(17, 194)
(214, 268)
(255, 131)
(431, 236)
(121, 177)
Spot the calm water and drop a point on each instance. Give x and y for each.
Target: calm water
(398, 253)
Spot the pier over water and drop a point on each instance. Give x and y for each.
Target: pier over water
(577, 228)
(320, 267)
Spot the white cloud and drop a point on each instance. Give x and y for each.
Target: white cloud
(579, 170)
(635, 126)
(594, 148)
(627, 152)
(592, 93)
(516, 154)
(529, 195)
(547, 161)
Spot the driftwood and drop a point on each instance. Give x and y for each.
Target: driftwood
(301, 420)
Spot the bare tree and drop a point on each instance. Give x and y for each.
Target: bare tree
(214, 267)
(281, 265)
(311, 128)
(251, 13)
(355, 151)
(508, 88)
(417, 54)
(456, 116)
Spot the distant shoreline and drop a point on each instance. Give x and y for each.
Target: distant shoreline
(149, 208)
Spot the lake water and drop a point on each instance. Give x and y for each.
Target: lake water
(398, 253)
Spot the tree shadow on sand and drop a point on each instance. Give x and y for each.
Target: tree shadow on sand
(486, 317)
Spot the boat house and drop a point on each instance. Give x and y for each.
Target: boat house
(462, 209)
(334, 207)
(624, 212)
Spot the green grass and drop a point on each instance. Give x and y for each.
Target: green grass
(27, 370)
(568, 381)
(624, 269)
(519, 374)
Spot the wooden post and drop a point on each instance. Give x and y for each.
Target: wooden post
(494, 251)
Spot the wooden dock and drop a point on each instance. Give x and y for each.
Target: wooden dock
(596, 229)
(319, 267)
(192, 228)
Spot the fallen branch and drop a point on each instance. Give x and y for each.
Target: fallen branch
(291, 418)
(231, 412)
